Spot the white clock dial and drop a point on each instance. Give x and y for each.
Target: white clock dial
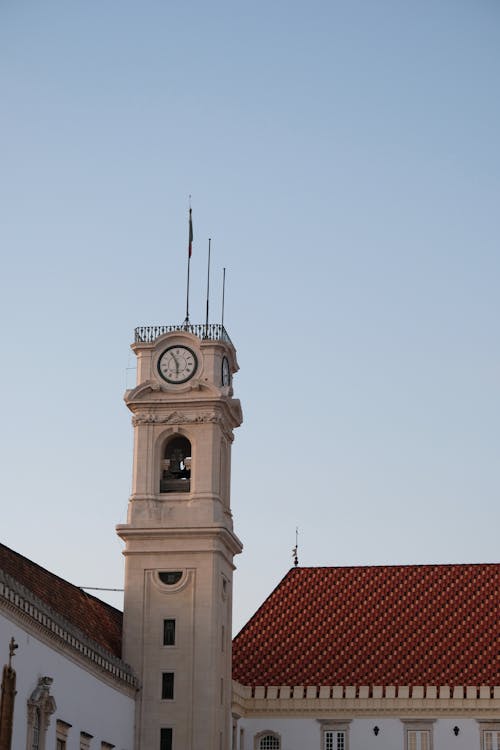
(177, 364)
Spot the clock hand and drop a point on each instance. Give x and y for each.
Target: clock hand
(176, 364)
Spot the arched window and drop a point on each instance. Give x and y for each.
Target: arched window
(268, 741)
(176, 465)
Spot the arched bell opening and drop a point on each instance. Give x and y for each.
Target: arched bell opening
(176, 465)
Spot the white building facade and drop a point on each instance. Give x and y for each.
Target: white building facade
(433, 719)
(71, 694)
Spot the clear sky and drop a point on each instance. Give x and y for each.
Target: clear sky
(344, 159)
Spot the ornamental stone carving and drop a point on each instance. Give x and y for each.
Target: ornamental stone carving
(174, 418)
(41, 705)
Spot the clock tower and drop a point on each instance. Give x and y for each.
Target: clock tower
(179, 538)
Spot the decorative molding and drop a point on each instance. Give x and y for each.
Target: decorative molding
(41, 706)
(32, 610)
(176, 418)
(148, 386)
(349, 700)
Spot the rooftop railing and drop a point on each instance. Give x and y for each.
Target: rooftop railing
(210, 331)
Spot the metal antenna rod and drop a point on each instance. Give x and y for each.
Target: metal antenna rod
(208, 285)
(223, 293)
(190, 250)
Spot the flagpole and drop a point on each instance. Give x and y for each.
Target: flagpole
(223, 293)
(190, 250)
(208, 286)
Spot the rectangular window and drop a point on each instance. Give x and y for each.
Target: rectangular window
(169, 632)
(419, 739)
(85, 740)
(335, 740)
(62, 731)
(491, 740)
(167, 686)
(166, 738)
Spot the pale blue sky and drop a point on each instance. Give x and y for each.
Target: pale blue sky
(344, 159)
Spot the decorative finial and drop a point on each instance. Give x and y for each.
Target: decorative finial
(12, 647)
(295, 550)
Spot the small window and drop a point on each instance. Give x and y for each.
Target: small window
(418, 734)
(269, 741)
(419, 739)
(62, 731)
(166, 738)
(335, 740)
(169, 632)
(491, 740)
(85, 740)
(170, 577)
(335, 735)
(490, 735)
(167, 686)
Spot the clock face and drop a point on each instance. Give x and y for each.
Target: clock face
(177, 364)
(226, 372)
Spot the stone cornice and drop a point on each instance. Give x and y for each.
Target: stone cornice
(152, 534)
(151, 402)
(340, 701)
(49, 626)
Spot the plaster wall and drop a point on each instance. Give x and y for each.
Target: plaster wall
(305, 734)
(87, 703)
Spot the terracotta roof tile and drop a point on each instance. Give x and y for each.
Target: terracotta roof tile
(95, 618)
(387, 625)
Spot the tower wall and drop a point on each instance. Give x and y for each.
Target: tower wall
(179, 541)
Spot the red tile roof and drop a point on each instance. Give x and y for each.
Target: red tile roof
(388, 625)
(96, 619)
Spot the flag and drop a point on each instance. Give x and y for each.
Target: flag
(190, 246)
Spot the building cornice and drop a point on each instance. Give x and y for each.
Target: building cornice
(210, 534)
(50, 627)
(350, 701)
